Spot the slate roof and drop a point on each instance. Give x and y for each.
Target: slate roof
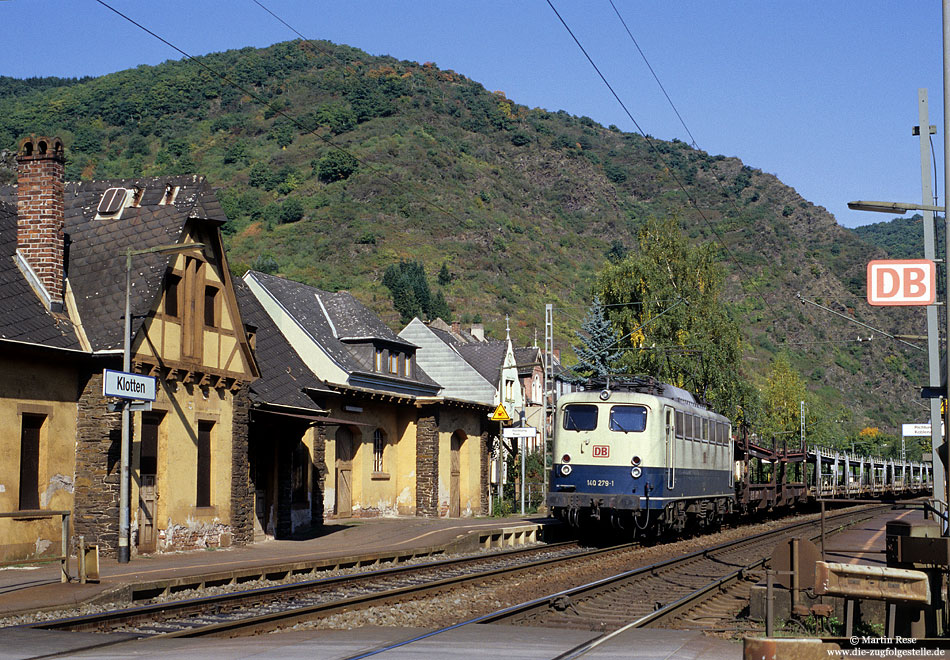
(449, 334)
(96, 266)
(525, 357)
(446, 337)
(284, 376)
(487, 358)
(22, 316)
(440, 358)
(334, 320)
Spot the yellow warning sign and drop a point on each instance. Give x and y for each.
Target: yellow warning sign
(501, 415)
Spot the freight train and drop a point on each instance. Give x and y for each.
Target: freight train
(646, 458)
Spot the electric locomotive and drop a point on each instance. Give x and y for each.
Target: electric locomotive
(640, 456)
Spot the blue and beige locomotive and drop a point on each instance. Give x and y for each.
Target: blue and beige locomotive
(640, 456)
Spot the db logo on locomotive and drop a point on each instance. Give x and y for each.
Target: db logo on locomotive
(601, 451)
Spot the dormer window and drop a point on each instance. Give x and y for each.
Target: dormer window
(393, 363)
(378, 364)
(168, 197)
(112, 202)
(407, 366)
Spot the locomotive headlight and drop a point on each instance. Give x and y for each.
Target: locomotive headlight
(604, 395)
(635, 460)
(566, 470)
(635, 473)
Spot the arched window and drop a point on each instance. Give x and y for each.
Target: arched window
(379, 443)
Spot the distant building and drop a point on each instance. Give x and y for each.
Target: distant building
(62, 293)
(438, 353)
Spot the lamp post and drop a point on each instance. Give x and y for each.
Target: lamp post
(124, 491)
(940, 472)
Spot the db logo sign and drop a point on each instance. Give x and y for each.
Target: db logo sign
(601, 451)
(902, 282)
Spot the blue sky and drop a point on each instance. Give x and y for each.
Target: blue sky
(821, 94)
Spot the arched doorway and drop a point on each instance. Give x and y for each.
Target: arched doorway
(345, 450)
(455, 475)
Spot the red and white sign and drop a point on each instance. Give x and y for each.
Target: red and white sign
(902, 282)
(601, 451)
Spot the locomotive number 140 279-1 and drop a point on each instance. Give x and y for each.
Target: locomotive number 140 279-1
(601, 483)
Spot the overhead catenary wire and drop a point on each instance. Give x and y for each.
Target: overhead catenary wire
(694, 144)
(651, 143)
(863, 325)
(655, 76)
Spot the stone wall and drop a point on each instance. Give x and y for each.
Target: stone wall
(242, 493)
(427, 467)
(98, 446)
(319, 476)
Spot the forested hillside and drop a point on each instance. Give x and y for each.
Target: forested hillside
(901, 238)
(354, 163)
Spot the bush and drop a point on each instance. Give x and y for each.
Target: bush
(520, 139)
(336, 166)
(615, 173)
(291, 211)
(237, 152)
(259, 176)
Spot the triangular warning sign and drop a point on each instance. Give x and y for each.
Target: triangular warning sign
(501, 415)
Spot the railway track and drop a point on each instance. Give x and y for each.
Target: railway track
(655, 595)
(645, 595)
(263, 609)
(613, 593)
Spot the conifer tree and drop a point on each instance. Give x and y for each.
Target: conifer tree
(597, 352)
(409, 287)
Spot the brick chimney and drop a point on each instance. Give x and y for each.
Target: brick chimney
(41, 167)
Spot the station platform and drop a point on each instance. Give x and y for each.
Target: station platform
(353, 542)
(865, 543)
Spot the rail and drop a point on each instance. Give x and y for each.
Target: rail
(39, 514)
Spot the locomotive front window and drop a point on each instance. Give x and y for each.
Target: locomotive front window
(628, 418)
(580, 418)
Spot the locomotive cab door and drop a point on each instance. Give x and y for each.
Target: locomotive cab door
(670, 424)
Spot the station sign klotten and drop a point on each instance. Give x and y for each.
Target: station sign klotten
(124, 385)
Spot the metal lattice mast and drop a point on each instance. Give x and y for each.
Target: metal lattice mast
(548, 394)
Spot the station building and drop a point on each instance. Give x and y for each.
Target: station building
(271, 415)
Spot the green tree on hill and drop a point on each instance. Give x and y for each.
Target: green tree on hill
(783, 393)
(666, 306)
(412, 297)
(336, 166)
